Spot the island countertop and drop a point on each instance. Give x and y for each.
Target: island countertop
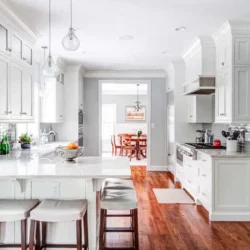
(26, 165)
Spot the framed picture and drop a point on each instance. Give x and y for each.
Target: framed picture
(133, 115)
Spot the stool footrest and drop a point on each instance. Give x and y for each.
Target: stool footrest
(118, 215)
(61, 246)
(118, 248)
(118, 230)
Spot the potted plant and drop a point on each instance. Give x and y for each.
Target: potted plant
(139, 133)
(25, 140)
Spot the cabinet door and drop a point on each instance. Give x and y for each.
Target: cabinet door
(242, 51)
(4, 82)
(242, 94)
(27, 96)
(27, 54)
(223, 97)
(59, 102)
(17, 47)
(223, 53)
(16, 92)
(4, 39)
(191, 109)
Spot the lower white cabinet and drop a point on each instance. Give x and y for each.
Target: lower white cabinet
(52, 102)
(17, 92)
(200, 109)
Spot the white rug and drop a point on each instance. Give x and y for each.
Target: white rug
(171, 195)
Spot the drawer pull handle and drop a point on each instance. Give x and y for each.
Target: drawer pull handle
(203, 160)
(204, 175)
(189, 181)
(203, 194)
(189, 166)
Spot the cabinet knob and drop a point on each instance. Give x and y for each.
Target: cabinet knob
(222, 114)
(203, 194)
(204, 175)
(24, 113)
(222, 63)
(9, 49)
(61, 115)
(8, 112)
(24, 58)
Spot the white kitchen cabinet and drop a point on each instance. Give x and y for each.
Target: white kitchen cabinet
(52, 103)
(232, 178)
(27, 96)
(4, 38)
(241, 95)
(4, 82)
(233, 68)
(16, 79)
(242, 51)
(59, 102)
(223, 97)
(200, 109)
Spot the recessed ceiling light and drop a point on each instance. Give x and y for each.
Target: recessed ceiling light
(182, 28)
(165, 51)
(126, 37)
(156, 66)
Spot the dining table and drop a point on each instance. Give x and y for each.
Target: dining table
(142, 140)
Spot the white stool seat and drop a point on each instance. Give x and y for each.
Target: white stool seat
(15, 210)
(59, 210)
(115, 183)
(118, 199)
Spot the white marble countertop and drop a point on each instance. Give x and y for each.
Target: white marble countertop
(38, 163)
(222, 153)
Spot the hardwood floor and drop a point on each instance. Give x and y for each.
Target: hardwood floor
(168, 226)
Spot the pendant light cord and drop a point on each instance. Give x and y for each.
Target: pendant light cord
(71, 11)
(49, 27)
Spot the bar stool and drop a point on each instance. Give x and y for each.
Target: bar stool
(115, 183)
(59, 211)
(112, 199)
(16, 210)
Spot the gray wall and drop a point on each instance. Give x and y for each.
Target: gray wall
(158, 118)
(121, 102)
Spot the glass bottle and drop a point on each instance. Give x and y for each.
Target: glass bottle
(5, 146)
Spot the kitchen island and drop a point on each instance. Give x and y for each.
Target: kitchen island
(32, 175)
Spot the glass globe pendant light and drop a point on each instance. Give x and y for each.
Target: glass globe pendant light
(50, 70)
(70, 42)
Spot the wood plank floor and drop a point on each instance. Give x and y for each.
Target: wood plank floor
(164, 226)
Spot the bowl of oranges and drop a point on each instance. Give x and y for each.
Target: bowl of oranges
(70, 152)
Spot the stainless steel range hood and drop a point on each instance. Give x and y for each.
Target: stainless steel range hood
(202, 85)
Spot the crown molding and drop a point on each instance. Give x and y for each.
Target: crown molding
(126, 74)
(7, 14)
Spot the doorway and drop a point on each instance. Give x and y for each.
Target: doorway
(119, 115)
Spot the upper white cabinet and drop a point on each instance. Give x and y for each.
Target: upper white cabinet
(242, 50)
(52, 103)
(16, 68)
(16, 102)
(200, 109)
(232, 103)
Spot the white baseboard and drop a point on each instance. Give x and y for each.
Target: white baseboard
(157, 168)
(229, 216)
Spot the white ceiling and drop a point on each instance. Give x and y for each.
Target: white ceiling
(123, 89)
(152, 23)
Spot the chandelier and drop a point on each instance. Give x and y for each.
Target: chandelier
(137, 106)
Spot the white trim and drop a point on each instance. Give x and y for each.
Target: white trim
(157, 168)
(229, 216)
(125, 74)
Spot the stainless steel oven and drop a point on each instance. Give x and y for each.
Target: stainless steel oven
(179, 156)
(186, 150)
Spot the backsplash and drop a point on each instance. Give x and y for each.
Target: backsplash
(216, 130)
(10, 131)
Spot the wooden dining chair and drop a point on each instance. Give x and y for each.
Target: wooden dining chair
(116, 146)
(143, 147)
(128, 146)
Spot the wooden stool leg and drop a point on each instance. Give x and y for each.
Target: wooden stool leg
(86, 232)
(23, 234)
(135, 212)
(102, 218)
(44, 234)
(38, 242)
(79, 234)
(32, 234)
